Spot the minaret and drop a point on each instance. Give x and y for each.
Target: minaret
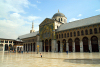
(32, 28)
(32, 25)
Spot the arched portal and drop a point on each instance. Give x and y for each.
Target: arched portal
(85, 44)
(77, 45)
(70, 45)
(26, 47)
(31, 46)
(6, 47)
(43, 45)
(34, 47)
(46, 45)
(64, 45)
(10, 47)
(58, 46)
(94, 43)
(50, 45)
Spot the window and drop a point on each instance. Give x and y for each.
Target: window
(70, 34)
(67, 34)
(6, 41)
(86, 32)
(95, 30)
(2, 41)
(62, 35)
(59, 19)
(74, 33)
(59, 35)
(82, 33)
(90, 31)
(78, 33)
(10, 41)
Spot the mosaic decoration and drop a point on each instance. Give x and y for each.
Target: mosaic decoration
(46, 30)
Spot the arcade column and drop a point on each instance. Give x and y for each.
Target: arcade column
(73, 47)
(61, 46)
(44, 47)
(90, 47)
(99, 44)
(3, 47)
(54, 48)
(81, 46)
(67, 46)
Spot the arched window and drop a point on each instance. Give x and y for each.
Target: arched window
(62, 35)
(74, 33)
(82, 33)
(70, 34)
(95, 30)
(59, 35)
(99, 29)
(78, 33)
(67, 34)
(59, 19)
(57, 26)
(86, 32)
(90, 31)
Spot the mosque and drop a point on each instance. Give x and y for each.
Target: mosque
(56, 35)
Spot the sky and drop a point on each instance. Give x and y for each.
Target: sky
(16, 16)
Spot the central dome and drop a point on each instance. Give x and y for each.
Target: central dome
(58, 14)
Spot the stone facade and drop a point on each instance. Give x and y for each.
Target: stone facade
(56, 35)
(6, 44)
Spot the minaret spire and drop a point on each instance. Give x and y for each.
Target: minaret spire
(32, 27)
(58, 10)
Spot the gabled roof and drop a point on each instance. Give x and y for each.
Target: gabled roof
(29, 35)
(46, 21)
(6, 39)
(80, 23)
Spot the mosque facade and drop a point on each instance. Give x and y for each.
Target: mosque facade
(56, 35)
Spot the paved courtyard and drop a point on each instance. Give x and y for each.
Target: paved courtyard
(49, 59)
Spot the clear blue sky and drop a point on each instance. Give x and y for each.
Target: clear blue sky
(16, 16)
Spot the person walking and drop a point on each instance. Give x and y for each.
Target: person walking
(67, 51)
(41, 55)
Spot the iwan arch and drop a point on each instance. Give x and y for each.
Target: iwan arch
(56, 35)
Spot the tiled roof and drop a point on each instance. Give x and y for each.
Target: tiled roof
(29, 35)
(80, 23)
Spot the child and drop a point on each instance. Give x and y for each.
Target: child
(41, 55)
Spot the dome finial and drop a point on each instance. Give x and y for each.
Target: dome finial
(58, 10)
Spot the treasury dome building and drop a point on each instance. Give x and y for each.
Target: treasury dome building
(56, 35)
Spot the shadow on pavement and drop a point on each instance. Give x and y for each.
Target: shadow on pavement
(83, 61)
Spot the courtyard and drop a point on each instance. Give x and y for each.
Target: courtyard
(49, 59)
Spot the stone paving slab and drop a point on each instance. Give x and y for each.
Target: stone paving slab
(49, 59)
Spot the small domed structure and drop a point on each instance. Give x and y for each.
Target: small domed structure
(59, 17)
(58, 14)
